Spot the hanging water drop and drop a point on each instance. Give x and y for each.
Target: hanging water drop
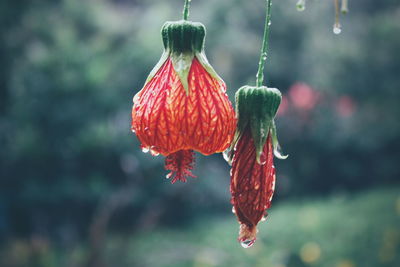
(247, 243)
(337, 28)
(145, 149)
(264, 217)
(263, 158)
(344, 9)
(233, 210)
(154, 152)
(301, 5)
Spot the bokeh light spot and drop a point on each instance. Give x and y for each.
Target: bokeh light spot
(303, 96)
(345, 263)
(345, 106)
(310, 252)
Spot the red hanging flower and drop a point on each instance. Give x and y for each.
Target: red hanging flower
(183, 105)
(253, 172)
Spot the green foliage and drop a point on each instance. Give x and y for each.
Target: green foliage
(343, 230)
(357, 230)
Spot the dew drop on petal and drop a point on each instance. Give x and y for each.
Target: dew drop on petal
(264, 217)
(145, 149)
(227, 156)
(233, 210)
(154, 153)
(263, 158)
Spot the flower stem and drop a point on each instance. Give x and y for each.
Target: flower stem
(264, 49)
(186, 9)
(336, 12)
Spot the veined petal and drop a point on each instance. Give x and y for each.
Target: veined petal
(252, 184)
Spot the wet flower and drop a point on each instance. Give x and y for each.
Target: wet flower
(251, 156)
(183, 106)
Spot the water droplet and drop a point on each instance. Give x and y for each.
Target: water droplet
(146, 128)
(154, 153)
(133, 130)
(145, 149)
(233, 210)
(263, 158)
(301, 5)
(264, 217)
(227, 156)
(247, 243)
(269, 23)
(337, 28)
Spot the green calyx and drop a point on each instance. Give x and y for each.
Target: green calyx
(183, 36)
(256, 108)
(183, 41)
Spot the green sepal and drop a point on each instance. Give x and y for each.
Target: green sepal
(182, 63)
(201, 57)
(275, 144)
(160, 63)
(183, 40)
(256, 108)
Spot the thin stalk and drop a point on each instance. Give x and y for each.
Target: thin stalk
(186, 9)
(336, 12)
(264, 49)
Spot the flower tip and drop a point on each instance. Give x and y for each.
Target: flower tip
(247, 235)
(278, 153)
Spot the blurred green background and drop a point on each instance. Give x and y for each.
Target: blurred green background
(75, 189)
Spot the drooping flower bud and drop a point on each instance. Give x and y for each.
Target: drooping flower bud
(253, 172)
(183, 105)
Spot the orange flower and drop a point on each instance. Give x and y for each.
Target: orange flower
(183, 105)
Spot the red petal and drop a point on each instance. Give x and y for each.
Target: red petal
(167, 120)
(252, 184)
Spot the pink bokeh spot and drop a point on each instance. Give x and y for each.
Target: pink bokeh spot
(303, 96)
(345, 106)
